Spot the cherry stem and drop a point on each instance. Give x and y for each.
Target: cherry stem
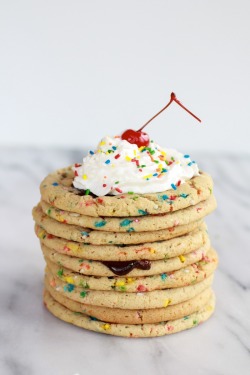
(172, 99)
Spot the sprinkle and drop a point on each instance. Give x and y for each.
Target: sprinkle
(182, 258)
(117, 182)
(184, 195)
(99, 224)
(102, 143)
(155, 174)
(166, 303)
(87, 192)
(69, 288)
(148, 176)
(114, 148)
(173, 186)
(104, 185)
(125, 222)
(186, 156)
(72, 246)
(42, 234)
(69, 280)
(164, 197)
(92, 318)
(107, 161)
(91, 152)
(118, 190)
(77, 165)
(84, 177)
(178, 183)
(119, 283)
(117, 156)
(172, 197)
(141, 288)
(60, 273)
(106, 326)
(55, 184)
(76, 173)
(83, 294)
(142, 212)
(130, 192)
(129, 280)
(186, 317)
(163, 276)
(130, 230)
(189, 164)
(127, 158)
(195, 322)
(85, 234)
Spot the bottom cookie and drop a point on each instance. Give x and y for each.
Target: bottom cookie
(129, 330)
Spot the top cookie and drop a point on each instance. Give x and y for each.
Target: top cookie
(57, 190)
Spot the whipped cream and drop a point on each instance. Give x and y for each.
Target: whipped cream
(118, 166)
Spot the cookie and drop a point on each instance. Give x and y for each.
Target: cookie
(95, 237)
(56, 189)
(130, 301)
(191, 274)
(131, 269)
(129, 330)
(134, 316)
(142, 224)
(150, 250)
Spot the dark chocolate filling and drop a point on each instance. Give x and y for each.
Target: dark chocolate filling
(123, 268)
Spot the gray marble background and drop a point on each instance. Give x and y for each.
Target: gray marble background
(33, 342)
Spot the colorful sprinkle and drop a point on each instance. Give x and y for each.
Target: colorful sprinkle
(164, 197)
(142, 212)
(130, 230)
(125, 222)
(118, 190)
(106, 326)
(69, 280)
(107, 161)
(69, 287)
(55, 184)
(173, 186)
(166, 303)
(99, 224)
(85, 234)
(60, 272)
(163, 276)
(83, 294)
(182, 258)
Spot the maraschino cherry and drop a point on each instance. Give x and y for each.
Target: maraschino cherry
(141, 138)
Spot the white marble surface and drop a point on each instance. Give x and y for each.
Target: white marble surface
(34, 342)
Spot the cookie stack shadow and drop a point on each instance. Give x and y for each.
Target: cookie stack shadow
(130, 265)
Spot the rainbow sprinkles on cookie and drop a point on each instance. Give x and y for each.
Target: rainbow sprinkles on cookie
(124, 239)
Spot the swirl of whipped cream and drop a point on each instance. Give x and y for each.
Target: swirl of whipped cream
(118, 166)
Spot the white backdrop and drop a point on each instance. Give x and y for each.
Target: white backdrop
(73, 71)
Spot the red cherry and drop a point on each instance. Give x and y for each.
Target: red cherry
(136, 137)
(140, 138)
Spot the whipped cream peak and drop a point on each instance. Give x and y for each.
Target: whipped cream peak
(117, 167)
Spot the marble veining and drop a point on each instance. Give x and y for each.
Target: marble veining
(33, 342)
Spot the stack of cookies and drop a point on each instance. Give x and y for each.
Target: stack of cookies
(127, 265)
